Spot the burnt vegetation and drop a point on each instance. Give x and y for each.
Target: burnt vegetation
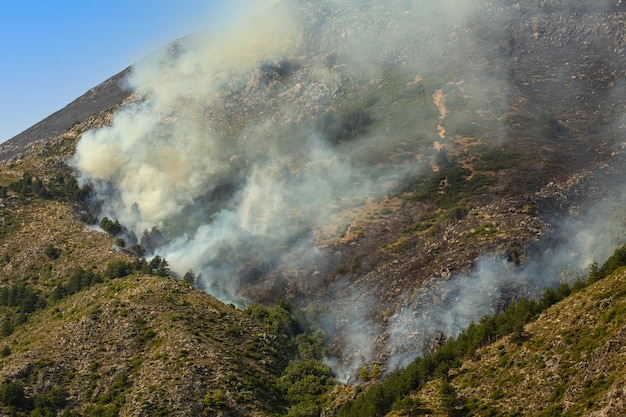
(338, 128)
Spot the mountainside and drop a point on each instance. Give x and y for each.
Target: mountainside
(541, 358)
(82, 331)
(100, 98)
(383, 173)
(570, 361)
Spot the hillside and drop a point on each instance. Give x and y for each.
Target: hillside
(81, 338)
(533, 358)
(570, 360)
(347, 185)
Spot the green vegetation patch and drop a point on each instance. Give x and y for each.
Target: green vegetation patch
(496, 160)
(484, 231)
(448, 187)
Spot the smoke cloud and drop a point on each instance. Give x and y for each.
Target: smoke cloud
(239, 148)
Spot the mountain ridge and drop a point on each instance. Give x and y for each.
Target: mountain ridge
(105, 95)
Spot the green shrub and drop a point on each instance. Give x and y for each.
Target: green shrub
(304, 380)
(551, 411)
(12, 394)
(111, 227)
(52, 252)
(5, 351)
(118, 269)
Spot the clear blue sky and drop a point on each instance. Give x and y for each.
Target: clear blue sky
(51, 52)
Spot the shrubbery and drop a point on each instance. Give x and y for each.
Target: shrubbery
(306, 378)
(12, 394)
(62, 186)
(22, 296)
(391, 393)
(51, 252)
(79, 280)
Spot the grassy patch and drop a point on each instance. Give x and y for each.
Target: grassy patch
(495, 160)
(484, 232)
(447, 188)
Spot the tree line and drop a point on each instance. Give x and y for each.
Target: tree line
(393, 391)
(61, 186)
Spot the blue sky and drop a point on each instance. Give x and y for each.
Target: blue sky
(54, 51)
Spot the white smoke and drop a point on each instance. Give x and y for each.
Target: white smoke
(232, 151)
(222, 145)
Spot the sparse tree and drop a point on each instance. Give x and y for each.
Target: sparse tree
(52, 252)
(111, 227)
(208, 400)
(138, 250)
(152, 239)
(159, 266)
(7, 328)
(448, 397)
(364, 374)
(375, 372)
(135, 212)
(190, 277)
(218, 399)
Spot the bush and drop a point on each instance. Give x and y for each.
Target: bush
(82, 279)
(214, 399)
(21, 296)
(304, 410)
(111, 227)
(52, 252)
(7, 327)
(302, 381)
(118, 269)
(276, 318)
(88, 218)
(12, 394)
(55, 399)
(5, 351)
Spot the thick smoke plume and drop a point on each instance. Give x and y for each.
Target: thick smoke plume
(230, 148)
(237, 150)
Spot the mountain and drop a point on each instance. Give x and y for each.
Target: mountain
(100, 98)
(358, 182)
